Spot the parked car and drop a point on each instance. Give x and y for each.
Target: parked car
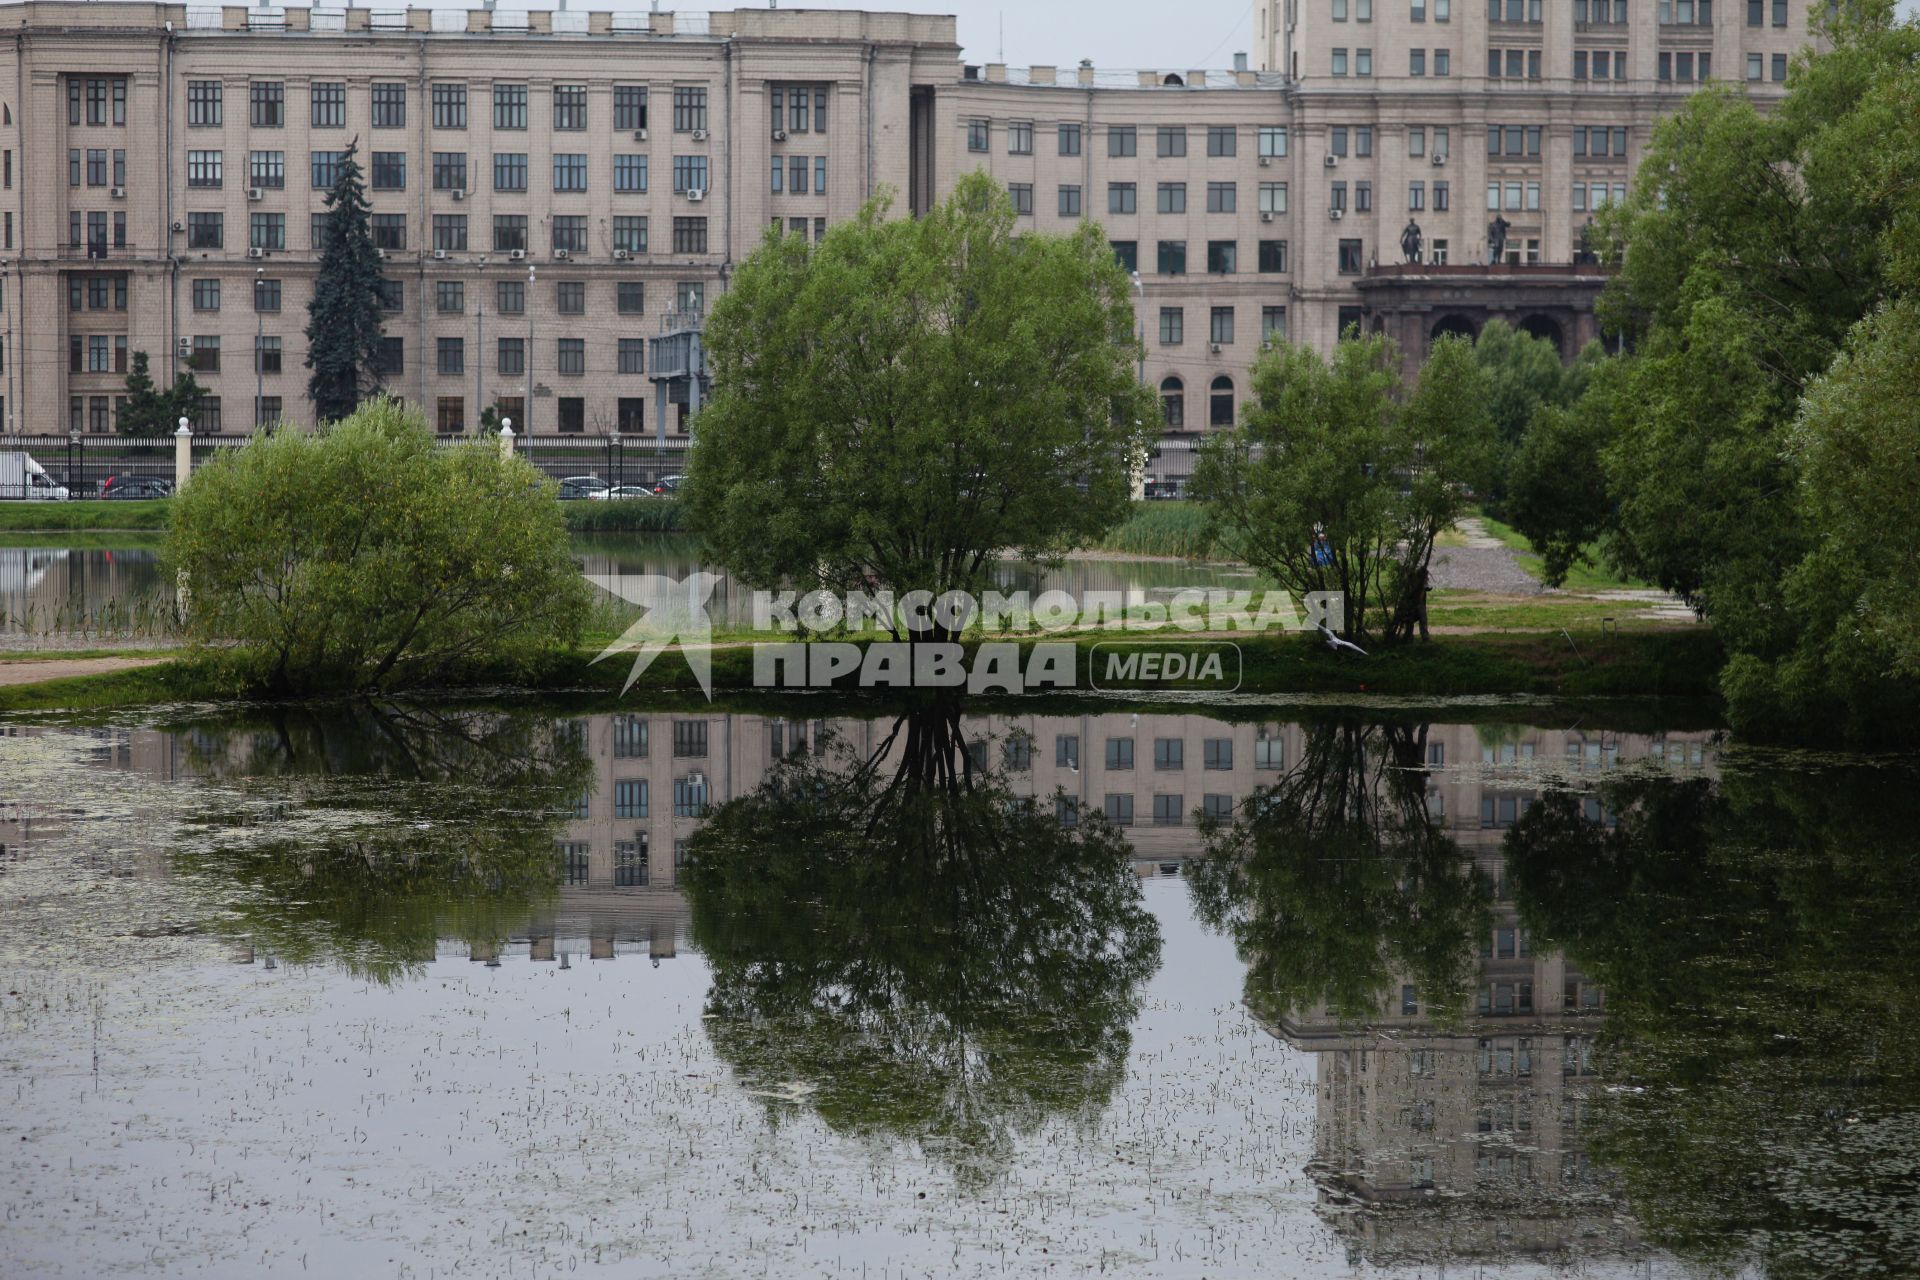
(582, 487)
(1158, 489)
(23, 478)
(129, 488)
(622, 493)
(667, 486)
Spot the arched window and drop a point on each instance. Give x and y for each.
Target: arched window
(1173, 403)
(1220, 402)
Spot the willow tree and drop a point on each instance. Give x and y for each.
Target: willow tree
(897, 403)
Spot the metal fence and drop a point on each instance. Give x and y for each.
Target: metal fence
(1169, 467)
(618, 460)
(84, 464)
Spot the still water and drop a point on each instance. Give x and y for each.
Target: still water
(51, 589)
(416, 990)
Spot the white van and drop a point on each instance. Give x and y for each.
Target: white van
(23, 478)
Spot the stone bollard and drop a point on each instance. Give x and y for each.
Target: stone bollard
(506, 438)
(182, 455)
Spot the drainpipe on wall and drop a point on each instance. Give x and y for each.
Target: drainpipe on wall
(425, 224)
(869, 114)
(166, 225)
(18, 251)
(726, 160)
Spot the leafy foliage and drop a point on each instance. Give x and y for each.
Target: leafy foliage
(366, 556)
(897, 403)
(152, 412)
(344, 319)
(926, 955)
(1325, 447)
(1335, 879)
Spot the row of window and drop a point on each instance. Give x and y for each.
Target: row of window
(790, 175)
(1223, 257)
(387, 170)
(1220, 332)
(1362, 10)
(268, 231)
(98, 166)
(1168, 810)
(1124, 140)
(387, 105)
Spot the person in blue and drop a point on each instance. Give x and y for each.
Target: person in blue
(1322, 551)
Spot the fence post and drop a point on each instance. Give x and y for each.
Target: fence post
(182, 455)
(506, 438)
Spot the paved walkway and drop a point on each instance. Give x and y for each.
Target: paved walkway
(33, 671)
(1484, 564)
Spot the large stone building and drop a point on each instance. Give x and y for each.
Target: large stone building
(554, 188)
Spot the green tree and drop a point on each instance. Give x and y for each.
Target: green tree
(1523, 373)
(367, 557)
(897, 404)
(928, 955)
(1556, 484)
(344, 320)
(1330, 483)
(152, 412)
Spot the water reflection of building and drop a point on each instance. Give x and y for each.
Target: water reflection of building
(1445, 1139)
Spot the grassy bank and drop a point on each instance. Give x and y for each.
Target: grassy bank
(53, 517)
(1586, 664)
(633, 515)
(1161, 529)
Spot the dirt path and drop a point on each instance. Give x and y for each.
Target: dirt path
(1483, 564)
(34, 670)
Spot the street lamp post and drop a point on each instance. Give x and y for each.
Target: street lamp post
(526, 410)
(480, 343)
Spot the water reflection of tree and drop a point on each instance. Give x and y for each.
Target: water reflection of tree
(1335, 880)
(914, 951)
(362, 834)
(1759, 947)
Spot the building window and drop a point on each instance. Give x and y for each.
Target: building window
(633, 355)
(1338, 62)
(689, 235)
(1127, 254)
(1220, 395)
(570, 171)
(1223, 197)
(1350, 257)
(1173, 403)
(1173, 257)
(511, 356)
(452, 353)
(1171, 141)
(449, 106)
(204, 169)
(510, 106)
(1069, 201)
(570, 233)
(1021, 194)
(1172, 197)
(326, 167)
(977, 135)
(205, 231)
(1069, 139)
(1119, 810)
(389, 106)
(1123, 140)
(1273, 197)
(1273, 257)
(570, 297)
(204, 106)
(690, 173)
(1220, 326)
(449, 171)
(1020, 138)
(630, 799)
(630, 233)
(267, 169)
(389, 231)
(389, 171)
(629, 174)
(689, 110)
(629, 107)
(1121, 197)
(1273, 141)
(267, 104)
(630, 297)
(569, 107)
(268, 231)
(509, 233)
(1223, 258)
(450, 296)
(630, 862)
(1173, 326)
(206, 294)
(1222, 140)
(572, 356)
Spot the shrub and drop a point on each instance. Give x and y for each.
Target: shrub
(368, 557)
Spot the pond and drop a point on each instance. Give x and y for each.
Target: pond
(54, 589)
(811, 990)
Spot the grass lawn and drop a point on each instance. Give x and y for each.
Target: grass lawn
(1587, 574)
(85, 515)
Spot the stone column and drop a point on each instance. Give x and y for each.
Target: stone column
(182, 455)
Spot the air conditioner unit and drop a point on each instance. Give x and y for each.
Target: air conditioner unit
(186, 348)
(559, 255)
(699, 135)
(457, 194)
(256, 194)
(1214, 347)
(439, 255)
(1439, 158)
(118, 193)
(779, 135)
(179, 226)
(621, 255)
(258, 252)
(384, 255)
(1266, 162)
(1331, 161)
(1336, 214)
(696, 194)
(517, 255)
(639, 135)
(1266, 217)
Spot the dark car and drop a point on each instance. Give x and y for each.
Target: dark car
(582, 487)
(136, 487)
(668, 486)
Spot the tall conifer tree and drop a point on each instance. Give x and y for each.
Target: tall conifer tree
(344, 320)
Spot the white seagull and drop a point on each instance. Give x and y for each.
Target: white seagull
(1336, 644)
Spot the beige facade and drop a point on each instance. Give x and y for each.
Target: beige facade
(1255, 203)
